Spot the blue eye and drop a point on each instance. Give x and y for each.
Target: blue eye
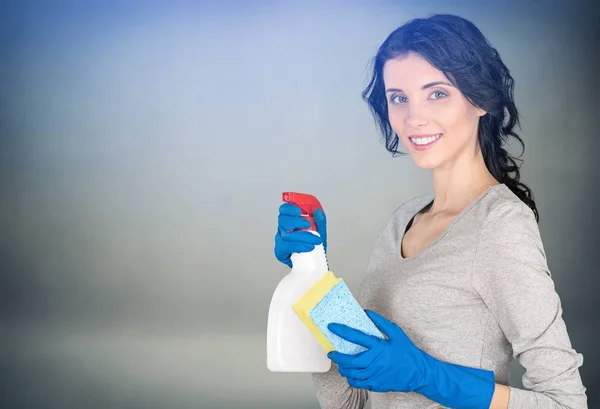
(394, 99)
(399, 99)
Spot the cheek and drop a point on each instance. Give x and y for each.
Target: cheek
(446, 115)
(397, 120)
(462, 122)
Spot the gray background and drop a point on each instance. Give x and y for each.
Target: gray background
(144, 150)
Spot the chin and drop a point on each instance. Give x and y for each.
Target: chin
(427, 162)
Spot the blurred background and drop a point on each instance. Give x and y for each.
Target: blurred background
(144, 148)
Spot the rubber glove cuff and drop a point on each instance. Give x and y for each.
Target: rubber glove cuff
(456, 386)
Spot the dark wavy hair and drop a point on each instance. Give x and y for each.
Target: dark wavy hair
(456, 47)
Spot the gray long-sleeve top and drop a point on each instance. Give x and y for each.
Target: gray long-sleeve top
(480, 295)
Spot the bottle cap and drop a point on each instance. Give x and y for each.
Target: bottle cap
(307, 203)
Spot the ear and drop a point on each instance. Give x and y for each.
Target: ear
(480, 112)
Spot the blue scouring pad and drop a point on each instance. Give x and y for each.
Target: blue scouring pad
(339, 306)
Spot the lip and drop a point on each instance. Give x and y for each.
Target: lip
(424, 147)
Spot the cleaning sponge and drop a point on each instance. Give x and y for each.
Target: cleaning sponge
(330, 301)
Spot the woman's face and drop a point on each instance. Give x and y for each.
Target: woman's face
(434, 121)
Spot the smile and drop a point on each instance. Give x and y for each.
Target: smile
(423, 142)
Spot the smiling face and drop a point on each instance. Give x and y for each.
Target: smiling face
(434, 121)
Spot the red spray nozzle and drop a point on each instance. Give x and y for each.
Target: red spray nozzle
(307, 203)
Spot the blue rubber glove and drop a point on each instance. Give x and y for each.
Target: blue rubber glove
(288, 241)
(397, 365)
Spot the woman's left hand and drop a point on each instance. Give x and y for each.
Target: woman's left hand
(392, 364)
(395, 364)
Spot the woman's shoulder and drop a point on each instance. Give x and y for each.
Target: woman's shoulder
(501, 217)
(498, 204)
(502, 204)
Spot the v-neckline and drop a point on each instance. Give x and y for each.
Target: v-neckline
(418, 207)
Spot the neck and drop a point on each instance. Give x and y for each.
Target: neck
(458, 182)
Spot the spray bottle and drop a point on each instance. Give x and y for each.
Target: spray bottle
(291, 347)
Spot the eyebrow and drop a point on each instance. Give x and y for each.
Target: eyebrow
(429, 85)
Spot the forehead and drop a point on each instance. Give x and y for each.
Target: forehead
(410, 71)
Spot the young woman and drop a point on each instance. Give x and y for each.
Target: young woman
(458, 280)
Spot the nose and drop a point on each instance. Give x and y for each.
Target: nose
(415, 117)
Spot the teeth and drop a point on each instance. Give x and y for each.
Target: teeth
(425, 141)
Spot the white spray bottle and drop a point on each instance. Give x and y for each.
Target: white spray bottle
(291, 347)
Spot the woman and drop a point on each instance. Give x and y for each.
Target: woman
(458, 280)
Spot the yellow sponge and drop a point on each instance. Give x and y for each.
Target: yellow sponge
(330, 301)
(304, 306)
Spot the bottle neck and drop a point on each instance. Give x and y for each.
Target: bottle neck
(308, 262)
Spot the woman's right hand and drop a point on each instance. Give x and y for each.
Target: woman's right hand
(288, 241)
